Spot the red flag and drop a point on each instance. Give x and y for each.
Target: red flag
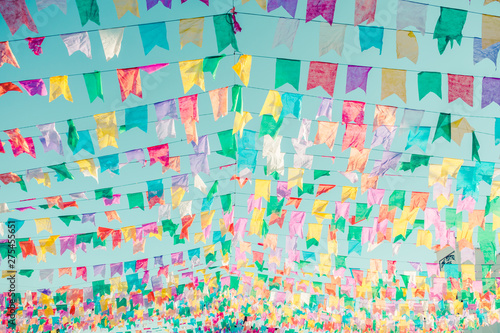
(322, 74)
(324, 188)
(461, 86)
(130, 82)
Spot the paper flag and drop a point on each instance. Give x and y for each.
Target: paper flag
(285, 32)
(191, 31)
(16, 13)
(88, 10)
(322, 74)
(111, 41)
(153, 34)
(393, 82)
(130, 82)
(59, 86)
(407, 45)
(449, 27)
(78, 42)
(123, 6)
(365, 11)
(242, 68)
(6, 55)
(289, 5)
(191, 74)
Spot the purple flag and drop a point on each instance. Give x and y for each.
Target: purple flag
(151, 3)
(199, 163)
(112, 201)
(357, 76)
(34, 87)
(88, 217)
(325, 109)
(136, 155)
(35, 44)
(68, 243)
(180, 181)
(100, 270)
(389, 160)
(289, 5)
(159, 261)
(177, 258)
(282, 190)
(325, 8)
(383, 136)
(166, 108)
(116, 268)
(491, 91)
(488, 53)
(50, 139)
(203, 146)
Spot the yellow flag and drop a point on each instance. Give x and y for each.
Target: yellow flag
(240, 120)
(496, 223)
(263, 189)
(435, 175)
(399, 228)
(48, 245)
(450, 167)
(348, 192)
(442, 201)
(424, 237)
(8, 273)
(209, 249)
(468, 272)
(191, 31)
(314, 231)
(129, 233)
(43, 224)
(192, 73)
(295, 177)
(199, 237)
(262, 3)
(408, 215)
(242, 68)
(491, 30)
(88, 168)
(122, 6)
(318, 209)
(407, 45)
(222, 226)
(256, 222)
(459, 128)
(45, 180)
(272, 105)
(59, 86)
(106, 129)
(177, 196)
(159, 234)
(206, 218)
(393, 82)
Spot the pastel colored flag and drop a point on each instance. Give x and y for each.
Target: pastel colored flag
(322, 74)
(365, 11)
(61, 4)
(449, 27)
(383, 135)
(130, 82)
(424, 238)
(348, 192)
(218, 98)
(191, 74)
(354, 136)
(43, 224)
(88, 168)
(285, 32)
(287, 71)
(357, 77)
(289, 5)
(88, 10)
(191, 31)
(331, 38)
(418, 136)
(224, 32)
(443, 127)
(110, 162)
(166, 108)
(384, 116)
(488, 53)
(160, 154)
(261, 3)
(371, 37)
(151, 3)
(188, 108)
(35, 44)
(411, 14)
(94, 85)
(491, 31)
(324, 188)
(324, 8)
(497, 131)
(50, 139)
(78, 42)
(459, 128)
(325, 108)
(357, 160)
(429, 82)
(242, 68)
(165, 128)
(240, 120)
(272, 105)
(153, 34)
(111, 41)
(206, 2)
(353, 111)
(407, 45)
(461, 86)
(327, 131)
(123, 6)
(5, 87)
(107, 131)
(59, 86)
(6, 55)
(34, 87)
(491, 87)
(16, 13)
(393, 82)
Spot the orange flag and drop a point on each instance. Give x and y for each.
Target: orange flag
(130, 82)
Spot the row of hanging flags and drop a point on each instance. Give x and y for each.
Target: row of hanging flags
(299, 288)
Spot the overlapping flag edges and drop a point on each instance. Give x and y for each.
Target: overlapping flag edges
(309, 235)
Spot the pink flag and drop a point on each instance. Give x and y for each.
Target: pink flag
(34, 87)
(6, 55)
(322, 74)
(296, 223)
(354, 137)
(15, 13)
(342, 210)
(353, 111)
(35, 44)
(375, 196)
(20, 144)
(325, 8)
(365, 11)
(130, 82)
(188, 108)
(159, 154)
(461, 86)
(81, 272)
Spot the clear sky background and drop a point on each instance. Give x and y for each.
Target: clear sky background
(25, 112)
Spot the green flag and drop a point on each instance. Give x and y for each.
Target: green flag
(88, 10)
(94, 85)
(213, 190)
(226, 201)
(321, 173)
(62, 172)
(443, 127)
(104, 193)
(237, 99)
(135, 200)
(210, 64)
(475, 147)
(306, 188)
(224, 32)
(67, 219)
(429, 82)
(72, 135)
(269, 126)
(227, 143)
(397, 199)
(449, 27)
(287, 71)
